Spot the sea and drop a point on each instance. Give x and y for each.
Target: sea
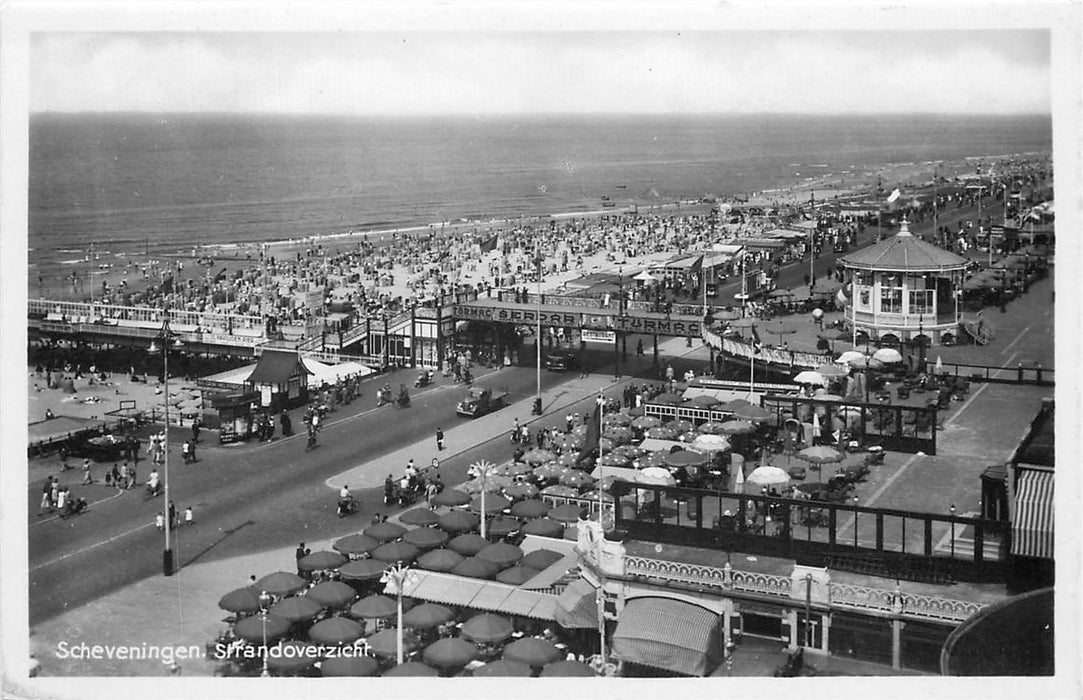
(125, 184)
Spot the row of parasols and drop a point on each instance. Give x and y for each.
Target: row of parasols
(478, 636)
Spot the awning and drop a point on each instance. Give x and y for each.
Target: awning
(577, 606)
(1032, 526)
(669, 634)
(488, 596)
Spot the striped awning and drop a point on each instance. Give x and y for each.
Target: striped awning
(1032, 526)
(669, 634)
(577, 606)
(448, 589)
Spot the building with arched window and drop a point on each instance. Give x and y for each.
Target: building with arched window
(903, 287)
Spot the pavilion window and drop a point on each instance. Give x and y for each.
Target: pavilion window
(891, 295)
(921, 301)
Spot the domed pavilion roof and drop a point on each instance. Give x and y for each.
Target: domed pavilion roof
(903, 252)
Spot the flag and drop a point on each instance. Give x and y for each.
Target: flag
(590, 443)
(489, 245)
(894, 195)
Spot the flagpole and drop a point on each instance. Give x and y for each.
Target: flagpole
(601, 406)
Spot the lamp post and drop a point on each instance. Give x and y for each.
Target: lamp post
(483, 471)
(398, 576)
(601, 421)
(538, 311)
(264, 603)
(812, 247)
(952, 510)
(165, 336)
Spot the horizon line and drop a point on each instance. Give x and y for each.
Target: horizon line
(270, 113)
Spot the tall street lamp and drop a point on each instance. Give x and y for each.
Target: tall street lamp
(538, 311)
(264, 604)
(483, 471)
(168, 339)
(399, 576)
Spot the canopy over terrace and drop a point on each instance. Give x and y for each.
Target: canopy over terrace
(903, 287)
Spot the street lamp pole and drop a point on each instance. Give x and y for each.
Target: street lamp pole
(952, 509)
(537, 395)
(812, 248)
(601, 421)
(398, 575)
(264, 603)
(165, 336)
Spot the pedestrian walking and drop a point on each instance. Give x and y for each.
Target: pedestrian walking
(159, 521)
(189, 516)
(131, 476)
(172, 515)
(185, 447)
(439, 439)
(46, 501)
(192, 452)
(86, 472)
(300, 553)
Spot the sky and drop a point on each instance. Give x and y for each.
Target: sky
(470, 71)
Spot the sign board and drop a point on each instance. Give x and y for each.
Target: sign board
(593, 336)
(629, 323)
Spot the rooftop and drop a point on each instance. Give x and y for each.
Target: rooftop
(903, 252)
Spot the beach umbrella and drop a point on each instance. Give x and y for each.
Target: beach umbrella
(411, 669)
(501, 526)
(768, 476)
(704, 401)
(567, 513)
(655, 459)
(450, 652)
(618, 433)
(576, 478)
(487, 628)
(515, 469)
(580, 430)
(419, 516)
(710, 428)
(386, 643)
(662, 432)
(494, 503)
(636, 411)
(533, 508)
(474, 567)
(451, 497)
(280, 583)
(831, 371)
(887, 355)
(426, 615)
(810, 377)
(425, 538)
(541, 559)
(321, 561)
(331, 594)
(565, 442)
(616, 420)
(468, 544)
(656, 476)
(242, 600)
(491, 484)
(517, 575)
(737, 427)
(251, 628)
(593, 496)
(549, 471)
(606, 445)
(335, 630)
(614, 459)
(532, 651)
(502, 668)
(849, 356)
(356, 544)
(820, 454)
(296, 608)
(439, 560)
(521, 490)
(668, 398)
(398, 551)
(686, 458)
(752, 413)
(537, 456)
(560, 491)
(362, 569)
(502, 554)
(646, 422)
(863, 362)
(385, 532)
(459, 521)
(292, 656)
(680, 425)
(567, 669)
(349, 666)
(711, 443)
(375, 607)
